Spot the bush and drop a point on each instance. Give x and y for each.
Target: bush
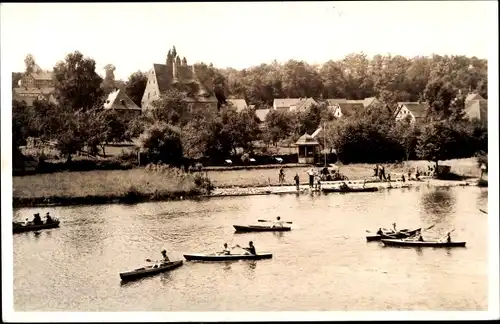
(203, 182)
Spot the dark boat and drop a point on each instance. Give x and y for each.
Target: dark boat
(341, 190)
(392, 242)
(149, 270)
(226, 257)
(392, 235)
(18, 227)
(258, 228)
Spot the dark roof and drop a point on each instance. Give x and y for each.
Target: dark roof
(418, 109)
(348, 108)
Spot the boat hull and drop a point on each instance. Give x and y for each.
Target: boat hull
(149, 271)
(19, 228)
(399, 235)
(257, 228)
(339, 190)
(230, 257)
(391, 242)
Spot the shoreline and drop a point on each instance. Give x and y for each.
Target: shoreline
(228, 191)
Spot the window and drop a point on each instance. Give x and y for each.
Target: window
(122, 102)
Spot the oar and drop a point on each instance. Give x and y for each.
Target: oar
(483, 211)
(428, 228)
(268, 221)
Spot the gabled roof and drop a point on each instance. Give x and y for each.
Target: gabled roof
(317, 132)
(332, 102)
(349, 108)
(478, 109)
(239, 104)
(285, 103)
(306, 139)
(304, 103)
(262, 114)
(473, 96)
(120, 101)
(418, 109)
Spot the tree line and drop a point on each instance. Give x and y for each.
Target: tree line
(173, 131)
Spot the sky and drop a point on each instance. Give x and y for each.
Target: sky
(133, 36)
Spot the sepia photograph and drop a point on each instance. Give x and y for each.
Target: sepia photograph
(249, 161)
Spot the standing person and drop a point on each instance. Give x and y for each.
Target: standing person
(383, 172)
(409, 174)
(281, 175)
(297, 181)
(311, 178)
(375, 170)
(403, 178)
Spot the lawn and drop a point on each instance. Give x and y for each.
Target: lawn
(118, 182)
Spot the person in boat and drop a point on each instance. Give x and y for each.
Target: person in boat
(26, 222)
(297, 180)
(379, 232)
(37, 220)
(278, 223)
(226, 250)
(250, 249)
(420, 237)
(394, 227)
(48, 219)
(344, 186)
(165, 257)
(448, 238)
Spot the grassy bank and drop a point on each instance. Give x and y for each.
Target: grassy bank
(139, 184)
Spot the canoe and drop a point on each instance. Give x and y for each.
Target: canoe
(223, 257)
(392, 242)
(391, 235)
(259, 228)
(372, 189)
(18, 227)
(149, 271)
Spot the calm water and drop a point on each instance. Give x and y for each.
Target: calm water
(324, 263)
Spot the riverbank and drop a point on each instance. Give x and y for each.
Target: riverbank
(140, 185)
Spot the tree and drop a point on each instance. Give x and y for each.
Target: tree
(406, 133)
(439, 95)
(106, 127)
(29, 63)
(16, 77)
(278, 126)
(77, 85)
(21, 123)
(163, 142)
(171, 108)
(108, 84)
(135, 86)
(439, 140)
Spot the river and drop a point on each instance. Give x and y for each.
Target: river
(323, 264)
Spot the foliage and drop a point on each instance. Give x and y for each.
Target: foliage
(29, 62)
(171, 108)
(77, 85)
(135, 86)
(278, 126)
(163, 142)
(22, 123)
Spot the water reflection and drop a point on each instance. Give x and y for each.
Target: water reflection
(438, 201)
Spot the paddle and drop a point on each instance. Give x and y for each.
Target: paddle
(268, 221)
(483, 211)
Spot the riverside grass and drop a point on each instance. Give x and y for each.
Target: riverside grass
(118, 183)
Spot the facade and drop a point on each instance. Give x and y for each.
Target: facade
(121, 103)
(178, 75)
(291, 104)
(307, 149)
(37, 84)
(476, 107)
(413, 110)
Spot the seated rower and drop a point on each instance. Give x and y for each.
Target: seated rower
(344, 186)
(226, 250)
(37, 220)
(250, 249)
(394, 227)
(26, 222)
(420, 238)
(278, 222)
(165, 257)
(379, 232)
(48, 219)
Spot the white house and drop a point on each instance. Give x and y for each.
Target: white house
(412, 110)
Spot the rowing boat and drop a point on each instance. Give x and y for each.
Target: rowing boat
(19, 227)
(227, 257)
(258, 228)
(392, 235)
(341, 190)
(392, 242)
(149, 270)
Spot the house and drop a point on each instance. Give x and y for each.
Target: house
(120, 102)
(473, 96)
(239, 104)
(37, 84)
(342, 109)
(179, 75)
(415, 110)
(291, 104)
(477, 109)
(367, 102)
(307, 148)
